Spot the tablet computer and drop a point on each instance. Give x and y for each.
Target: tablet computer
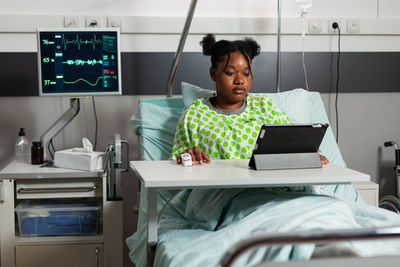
(288, 139)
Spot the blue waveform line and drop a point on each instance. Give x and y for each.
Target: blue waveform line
(79, 42)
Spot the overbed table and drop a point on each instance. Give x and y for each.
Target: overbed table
(158, 175)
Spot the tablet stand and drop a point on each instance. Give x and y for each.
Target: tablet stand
(287, 161)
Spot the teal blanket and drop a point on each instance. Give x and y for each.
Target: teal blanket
(200, 225)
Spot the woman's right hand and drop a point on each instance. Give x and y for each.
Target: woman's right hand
(196, 154)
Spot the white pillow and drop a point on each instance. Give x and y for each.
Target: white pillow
(191, 93)
(295, 103)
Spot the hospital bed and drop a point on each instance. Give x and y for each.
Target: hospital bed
(155, 122)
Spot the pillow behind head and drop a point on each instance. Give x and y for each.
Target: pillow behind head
(295, 103)
(191, 93)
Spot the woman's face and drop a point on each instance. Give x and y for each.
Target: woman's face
(232, 83)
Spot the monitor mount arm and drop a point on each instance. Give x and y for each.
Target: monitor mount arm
(60, 124)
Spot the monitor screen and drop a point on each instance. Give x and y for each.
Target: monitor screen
(77, 62)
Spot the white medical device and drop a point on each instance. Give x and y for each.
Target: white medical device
(186, 160)
(304, 5)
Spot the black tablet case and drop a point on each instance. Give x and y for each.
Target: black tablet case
(288, 139)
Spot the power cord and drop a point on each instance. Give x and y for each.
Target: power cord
(165, 205)
(92, 25)
(304, 66)
(335, 25)
(96, 123)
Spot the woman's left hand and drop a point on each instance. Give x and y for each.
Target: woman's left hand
(324, 160)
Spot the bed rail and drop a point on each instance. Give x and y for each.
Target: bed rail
(262, 239)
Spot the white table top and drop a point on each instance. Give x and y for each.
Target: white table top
(236, 173)
(16, 170)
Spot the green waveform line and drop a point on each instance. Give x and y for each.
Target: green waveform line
(81, 79)
(83, 62)
(79, 42)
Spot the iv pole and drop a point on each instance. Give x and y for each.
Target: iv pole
(178, 53)
(278, 56)
(182, 41)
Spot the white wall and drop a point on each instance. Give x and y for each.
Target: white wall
(366, 119)
(207, 8)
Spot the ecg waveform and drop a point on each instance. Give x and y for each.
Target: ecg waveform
(78, 41)
(79, 62)
(86, 81)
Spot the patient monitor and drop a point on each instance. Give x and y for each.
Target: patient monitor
(77, 63)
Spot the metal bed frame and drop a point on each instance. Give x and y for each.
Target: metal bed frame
(318, 237)
(393, 202)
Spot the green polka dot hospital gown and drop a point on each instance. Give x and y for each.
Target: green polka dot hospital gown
(225, 134)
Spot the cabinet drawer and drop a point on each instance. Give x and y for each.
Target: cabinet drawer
(58, 188)
(369, 191)
(79, 255)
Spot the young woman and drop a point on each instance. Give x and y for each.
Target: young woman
(226, 126)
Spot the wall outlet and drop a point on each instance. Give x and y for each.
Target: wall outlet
(72, 22)
(353, 26)
(315, 26)
(114, 22)
(331, 29)
(94, 22)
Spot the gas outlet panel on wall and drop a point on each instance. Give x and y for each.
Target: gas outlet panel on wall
(353, 26)
(72, 22)
(95, 22)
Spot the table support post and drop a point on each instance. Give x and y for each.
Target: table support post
(152, 239)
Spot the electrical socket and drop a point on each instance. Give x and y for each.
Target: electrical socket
(114, 22)
(314, 26)
(353, 26)
(72, 22)
(94, 22)
(331, 29)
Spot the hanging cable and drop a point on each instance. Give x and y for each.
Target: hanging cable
(48, 148)
(52, 146)
(96, 124)
(336, 26)
(165, 205)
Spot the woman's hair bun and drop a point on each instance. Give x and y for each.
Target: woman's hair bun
(254, 47)
(207, 43)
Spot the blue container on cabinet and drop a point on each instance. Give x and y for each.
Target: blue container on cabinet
(47, 217)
